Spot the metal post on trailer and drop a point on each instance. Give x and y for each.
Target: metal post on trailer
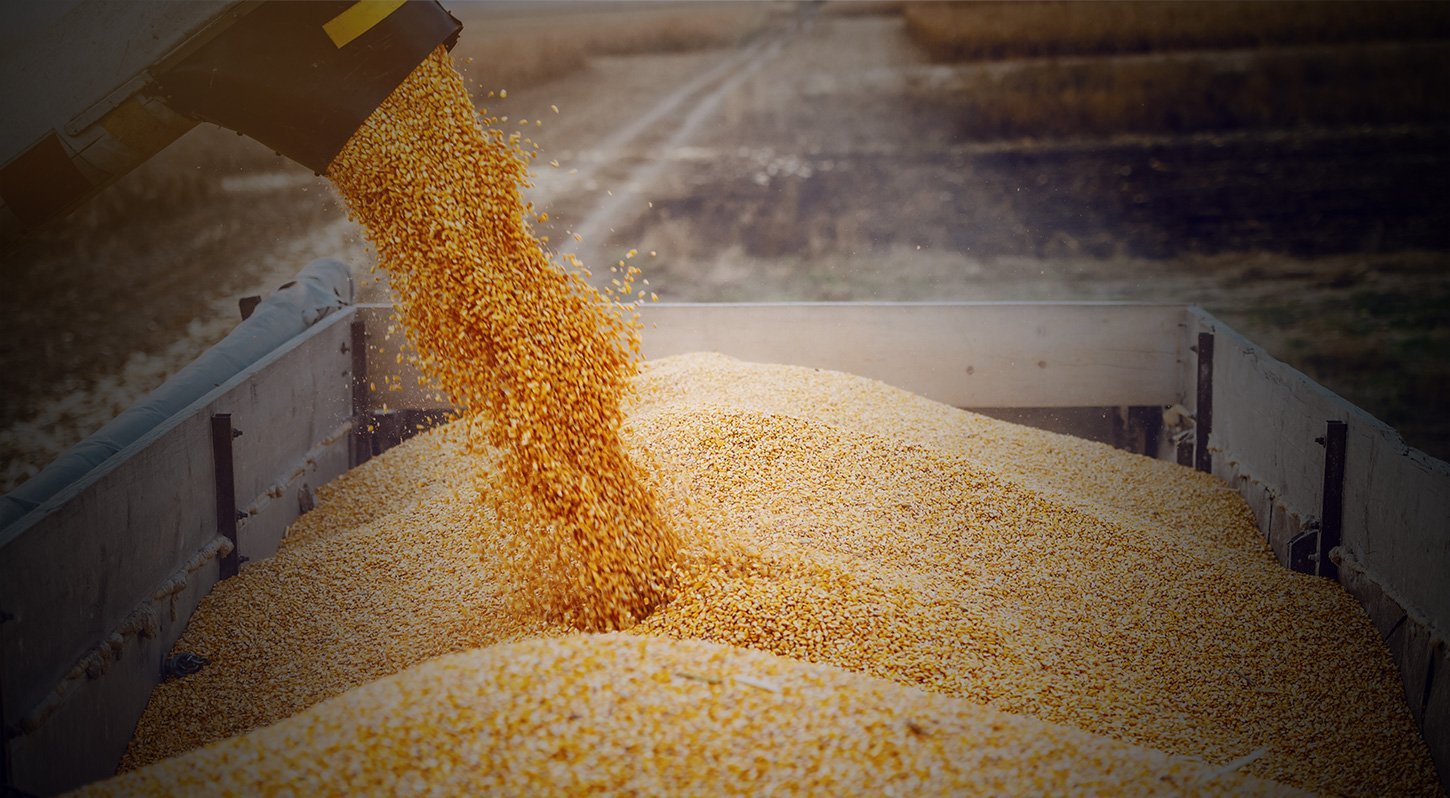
(7, 769)
(362, 435)
(1138, 428)
(1203, 413)
(1331, 517)
(1309, 551)
(222, 434)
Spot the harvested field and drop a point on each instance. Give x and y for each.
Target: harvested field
(836, 156)
(1348, 86)
(967, 30)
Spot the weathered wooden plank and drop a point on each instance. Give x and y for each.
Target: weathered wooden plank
(284, 414)
(1396, 499)
(986, 354)
(70, 577)
(86, 735)
(1435, 725)
(1259, 499)
(1268, 420)
(1397, 518)
(74, 569)
(1394, 553)
(286, 410)
(271, 511)
(964, 354)
(1418, 652)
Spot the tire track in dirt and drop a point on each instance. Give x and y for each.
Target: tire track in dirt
(664, 127)
(257, 264)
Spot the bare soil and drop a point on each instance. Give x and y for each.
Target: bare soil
(808, 162)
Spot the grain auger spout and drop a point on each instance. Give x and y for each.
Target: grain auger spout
(92, 88)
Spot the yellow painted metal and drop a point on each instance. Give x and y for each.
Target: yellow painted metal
(358, 19)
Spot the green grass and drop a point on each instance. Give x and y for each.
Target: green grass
(1386, 350)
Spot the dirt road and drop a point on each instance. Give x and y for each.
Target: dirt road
(822, 158)
(832, 164)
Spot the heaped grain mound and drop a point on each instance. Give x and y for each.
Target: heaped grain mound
(832, 519)
(538, 358)
(624, 715)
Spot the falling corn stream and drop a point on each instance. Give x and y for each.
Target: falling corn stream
(704, 576)
(538, 359)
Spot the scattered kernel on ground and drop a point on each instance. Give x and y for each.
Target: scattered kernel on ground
(833, 519)
(623, 714)
(539, 359)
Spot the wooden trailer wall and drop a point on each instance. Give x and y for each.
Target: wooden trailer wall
(1337, 492)
(97, 585)
(987, 356)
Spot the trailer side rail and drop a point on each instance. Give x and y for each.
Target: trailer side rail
(97, 585)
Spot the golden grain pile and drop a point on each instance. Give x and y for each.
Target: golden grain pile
(867, 591)
(621, 714)
(832, 519)
(537, 357)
